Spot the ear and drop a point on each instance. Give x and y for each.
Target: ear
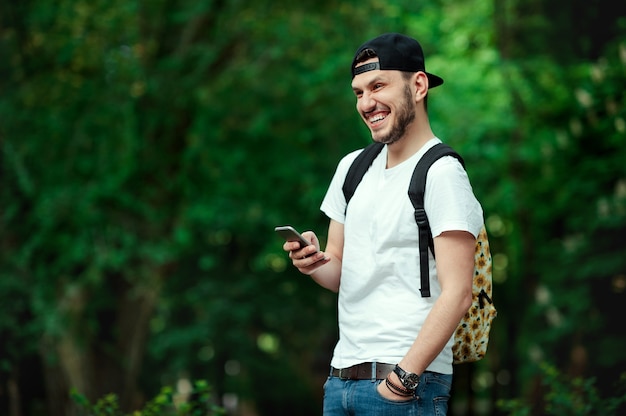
(420, 82)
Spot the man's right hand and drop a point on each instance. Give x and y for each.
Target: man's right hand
(329, 275)
(306, 259)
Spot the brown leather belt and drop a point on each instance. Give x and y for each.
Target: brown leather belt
(363, 371)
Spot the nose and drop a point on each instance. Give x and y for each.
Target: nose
(365, 103)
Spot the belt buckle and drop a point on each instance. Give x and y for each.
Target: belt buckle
(341, 373)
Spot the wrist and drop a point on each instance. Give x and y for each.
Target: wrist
(398, 390)
(408, 381)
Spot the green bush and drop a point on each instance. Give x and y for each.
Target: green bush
(197, 403)
(573, 397)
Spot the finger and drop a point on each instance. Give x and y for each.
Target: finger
(293, 256)
(312, 263)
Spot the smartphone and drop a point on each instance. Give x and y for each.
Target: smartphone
(290, 234)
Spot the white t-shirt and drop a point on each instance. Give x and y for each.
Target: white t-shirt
(380, 307)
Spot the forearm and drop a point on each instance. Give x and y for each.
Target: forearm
(438, 327)
(329, 275)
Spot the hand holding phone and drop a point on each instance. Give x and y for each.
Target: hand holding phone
(290, 234)
(310, 262)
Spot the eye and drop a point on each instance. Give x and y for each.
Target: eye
(377, 86)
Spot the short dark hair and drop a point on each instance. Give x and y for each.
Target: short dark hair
(364, 55)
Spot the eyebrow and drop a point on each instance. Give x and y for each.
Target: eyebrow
(376, 79)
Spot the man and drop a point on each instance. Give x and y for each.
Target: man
(394, 353)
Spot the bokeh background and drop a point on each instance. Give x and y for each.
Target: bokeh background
(150, 147)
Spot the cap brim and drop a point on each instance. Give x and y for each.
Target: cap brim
(434, 80)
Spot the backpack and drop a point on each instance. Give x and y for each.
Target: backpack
(472, 334)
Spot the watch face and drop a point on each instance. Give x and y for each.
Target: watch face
(411, 381)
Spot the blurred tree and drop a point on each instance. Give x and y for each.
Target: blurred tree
(149, 148)
(137, 144)
(565, 194)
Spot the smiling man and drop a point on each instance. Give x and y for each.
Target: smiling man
(394, 353)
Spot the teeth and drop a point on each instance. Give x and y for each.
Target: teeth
(377, 118)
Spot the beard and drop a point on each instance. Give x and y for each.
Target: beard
(405, 116)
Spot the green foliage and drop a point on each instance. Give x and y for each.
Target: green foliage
(149, 148)
(577, 278)
(576, 396)
(197, 402)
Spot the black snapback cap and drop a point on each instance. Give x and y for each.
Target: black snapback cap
(395, 52)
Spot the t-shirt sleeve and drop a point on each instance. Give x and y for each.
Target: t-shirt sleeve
(334, 202)
(449, 200)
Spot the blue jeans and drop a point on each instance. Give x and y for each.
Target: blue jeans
(360, 398)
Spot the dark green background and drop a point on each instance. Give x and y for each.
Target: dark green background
(150, 147)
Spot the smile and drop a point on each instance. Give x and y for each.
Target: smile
(377, 118)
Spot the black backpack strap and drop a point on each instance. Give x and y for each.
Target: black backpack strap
(416, 194)
(357, 170)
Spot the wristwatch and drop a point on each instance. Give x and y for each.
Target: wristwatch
(410, 381)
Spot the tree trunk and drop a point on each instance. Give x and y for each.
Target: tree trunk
(107, 361)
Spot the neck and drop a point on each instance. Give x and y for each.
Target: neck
(410, 143)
